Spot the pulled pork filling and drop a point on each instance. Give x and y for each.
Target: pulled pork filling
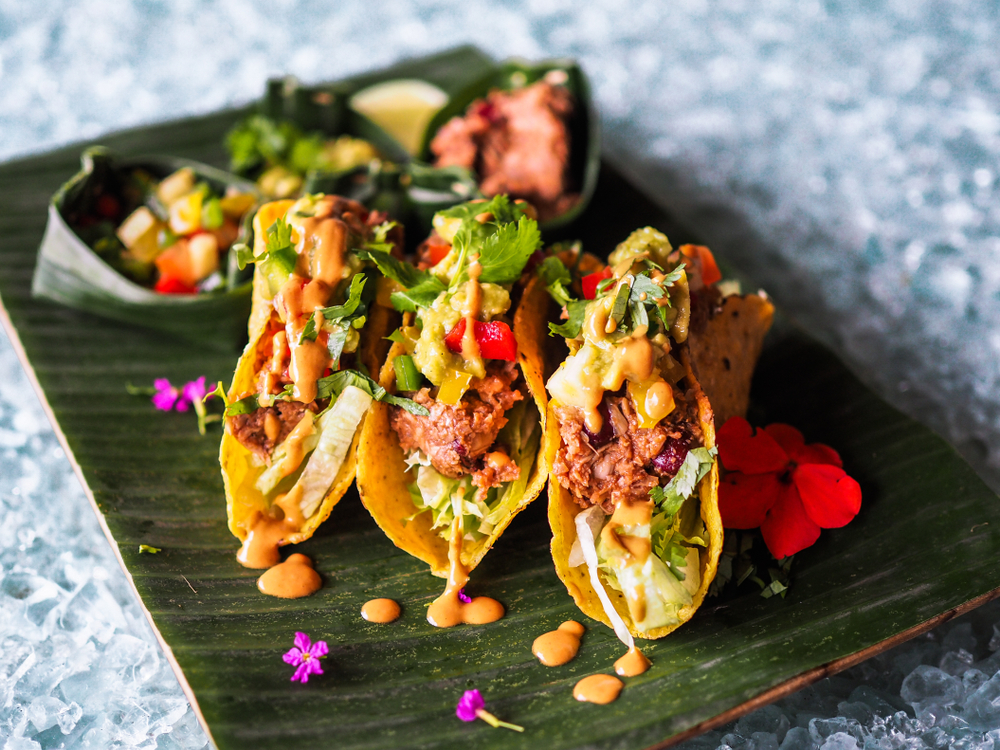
(461, 439)
(264, 428)
(517, 143)
(623, 461)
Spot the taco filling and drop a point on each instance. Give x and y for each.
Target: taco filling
(633, 450)
(301, 388)
(471, 454)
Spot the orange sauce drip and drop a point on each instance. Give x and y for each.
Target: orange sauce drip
(633, 663)
(380, 610)
(598, 688)
(557, 647)
(448, 610)
(292, 579)
(260, 548)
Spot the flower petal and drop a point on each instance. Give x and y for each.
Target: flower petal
(817, 453)
(302, 673)
(303, 641)
(293, 657)
(830, 497)
(164, 399)
(787, 528)
(319, 649)
(195, 390)
(786, 436)
(470, 702)
(740, 450)
(744, 499)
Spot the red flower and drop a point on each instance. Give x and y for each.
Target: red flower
(789, 489)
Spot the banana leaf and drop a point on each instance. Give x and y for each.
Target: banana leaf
(924, 546)
(584, 126)
(71, 273)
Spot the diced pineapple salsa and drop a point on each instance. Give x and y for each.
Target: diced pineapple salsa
(181, 230)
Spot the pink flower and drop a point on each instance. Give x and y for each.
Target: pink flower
(468, 600)
(194, 391)
(471, 706)
(166, 395)
(306, 655)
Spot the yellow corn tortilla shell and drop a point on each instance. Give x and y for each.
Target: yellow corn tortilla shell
(563, 510)
(239, 472)
(382, 473)
(725, 352)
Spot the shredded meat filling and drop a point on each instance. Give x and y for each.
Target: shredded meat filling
(252, 430)
(623, 464)
(517, 142)
(458, 438)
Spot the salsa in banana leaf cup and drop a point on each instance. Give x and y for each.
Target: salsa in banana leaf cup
(84, 263)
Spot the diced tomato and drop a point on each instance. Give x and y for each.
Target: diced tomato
(495, 339)
(108, 206)
(436, 253)
(591, 281)
(170, 285)
(710, 273)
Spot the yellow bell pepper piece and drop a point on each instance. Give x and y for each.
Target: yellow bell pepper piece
(653, 400)
(266, 216)
(454, 387)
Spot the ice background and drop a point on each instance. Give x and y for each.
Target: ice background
(846, 155)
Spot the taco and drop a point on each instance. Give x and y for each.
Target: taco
(301, 389)
(444, 486)
(633, 478)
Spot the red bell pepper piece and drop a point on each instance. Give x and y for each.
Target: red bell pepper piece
(171, 285)
(495, 339)
(436, 253)
(710, 273)
(591, 281)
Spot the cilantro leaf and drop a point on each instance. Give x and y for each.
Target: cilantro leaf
(334, 385)
(504, 253)
(696, 465)
(576, 310)
(556, 278)
(336, 313)
(422, 294)
(243, 406)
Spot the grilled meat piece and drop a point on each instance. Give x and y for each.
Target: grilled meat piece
(264, 428)
(457, 438)
(517, 143)
(627, 466)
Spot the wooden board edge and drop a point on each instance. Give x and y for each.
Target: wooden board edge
(825, 670)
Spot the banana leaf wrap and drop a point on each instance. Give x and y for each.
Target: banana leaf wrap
(71, 273)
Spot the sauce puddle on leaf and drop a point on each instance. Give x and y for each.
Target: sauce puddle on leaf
(292, 579)
(448, 609)
(380, 610)
(633, 663)
(598, 688)
(558, 647)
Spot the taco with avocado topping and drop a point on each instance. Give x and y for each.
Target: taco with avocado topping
(301, 388)
(470, 355)
(633, 483)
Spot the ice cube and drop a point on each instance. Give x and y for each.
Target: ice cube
(762, 741)
(42, 712)
(798, 738)
(956, 662)
(927, 684)
(960, 637)
(822, 729)
(770, 719)
(982, 708)
(68, 717)
(840, 741)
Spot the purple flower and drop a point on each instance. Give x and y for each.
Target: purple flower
(166, 395)
(306, 655)
(471, 706)
(468, 600)
(193, 392)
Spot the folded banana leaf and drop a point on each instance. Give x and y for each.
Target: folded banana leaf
(70, 272)
(583, 125)
(292, 110)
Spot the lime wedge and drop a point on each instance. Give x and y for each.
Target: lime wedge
(403, 108)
